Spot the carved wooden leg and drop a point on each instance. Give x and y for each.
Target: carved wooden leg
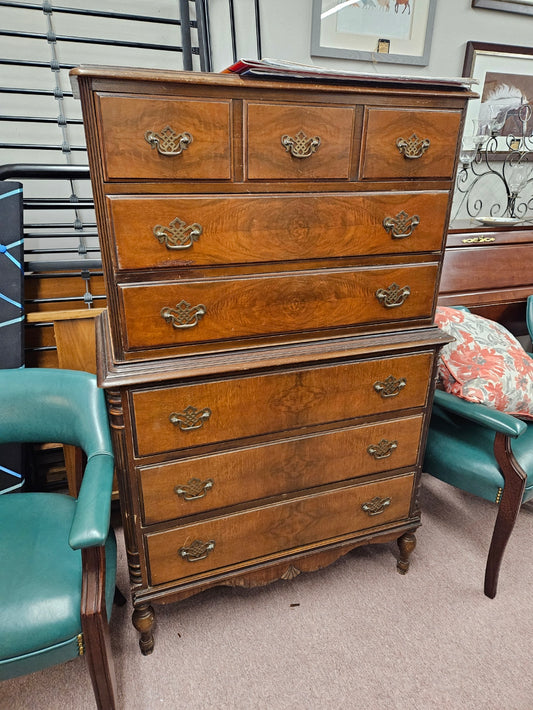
(143, 619)
(406, 544)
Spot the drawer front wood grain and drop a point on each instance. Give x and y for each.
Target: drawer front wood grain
(187, 231)
(273, 530)
(165, 139)
(207, 311)
(235, 408)
(403, 143)
(205, 483)
(298, 142)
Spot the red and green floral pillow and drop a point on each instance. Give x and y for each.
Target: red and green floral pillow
(485, 363)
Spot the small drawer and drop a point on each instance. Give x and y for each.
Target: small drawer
(153, 232)
(204, 483)
(276, 530)
(223, 310)
(298, 141)
(165, 139)
(403, 143)
(184, 416)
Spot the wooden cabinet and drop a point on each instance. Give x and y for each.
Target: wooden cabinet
(272, 253)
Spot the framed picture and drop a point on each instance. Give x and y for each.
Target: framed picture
(523, 7)
(505, 76)
(388, 31)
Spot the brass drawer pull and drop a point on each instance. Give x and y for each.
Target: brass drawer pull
(402, 225)
(376, 506)
(382, 450)
(196, 551)
(301, 146)
(190, 419)
(184, 315)
(168, 142)
(194, 489)
(391, 387)
(412, 147)
(478, 240)
(393, 296)
(178, 234)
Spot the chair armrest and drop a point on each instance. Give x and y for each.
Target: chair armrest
(480, 414)
(90, 525)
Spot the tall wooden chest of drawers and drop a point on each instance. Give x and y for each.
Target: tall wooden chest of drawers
(272, 251)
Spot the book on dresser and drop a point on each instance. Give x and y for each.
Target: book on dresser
(272, 251)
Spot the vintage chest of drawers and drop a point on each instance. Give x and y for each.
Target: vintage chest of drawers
(272, 252)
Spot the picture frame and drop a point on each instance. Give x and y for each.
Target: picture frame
(387, 31)
(505, 81)
(522, 7)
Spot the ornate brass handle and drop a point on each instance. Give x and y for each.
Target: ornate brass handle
(194, 489)
(301, 146)
(178, 234)
(168, 142)
(383, 449)
(184, 315)
(393, 296)
(376, 506)
(413, 147)
(478, 240)
(390, 387)
(190, 419)
(402, 225)
(196, 551)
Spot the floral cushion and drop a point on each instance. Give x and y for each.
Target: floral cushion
(485, 363)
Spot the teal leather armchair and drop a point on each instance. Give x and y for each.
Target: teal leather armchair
(58, 553)
(487, 453)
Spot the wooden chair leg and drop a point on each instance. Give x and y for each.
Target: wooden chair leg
(96, 628)
(515, 483)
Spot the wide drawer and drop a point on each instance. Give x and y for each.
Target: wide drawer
(275, 530)
(204, 483)
(219, 311)
(403, 143)
(166, 231)
(165, 139)
(188, 415)
(298, 141)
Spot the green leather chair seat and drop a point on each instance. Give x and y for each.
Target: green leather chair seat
(34, 529)
(469, 463)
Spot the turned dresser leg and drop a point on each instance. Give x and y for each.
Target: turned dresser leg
(143, 620)
(406, 544)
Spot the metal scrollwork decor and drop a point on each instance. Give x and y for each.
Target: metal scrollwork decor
(402, 225)
(194, 489)
(413, 147)
(178, 234)
(376, 506)
(390, 387)
(393, 296)
(168, 142)
(190, 419)
(197, 550)
(301, 146)
(383, 449)
(183, 315)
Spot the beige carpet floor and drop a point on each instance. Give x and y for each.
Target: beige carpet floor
(361, 638)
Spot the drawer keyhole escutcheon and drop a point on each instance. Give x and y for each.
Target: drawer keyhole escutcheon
(178, 234)
(413, 147)
(196, 551)
(183, 315)
(190, 419)
(391, 387)
(383, 449)
(376, 506)
(402, 225)
(393, 296)
(301, 146)
(194, 489)
(168, 142)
